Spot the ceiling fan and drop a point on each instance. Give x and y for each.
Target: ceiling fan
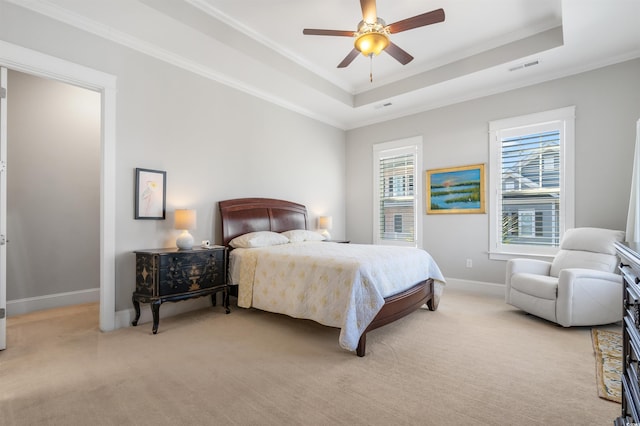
(372, 36)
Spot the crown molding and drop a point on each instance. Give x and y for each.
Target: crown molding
(57, 13)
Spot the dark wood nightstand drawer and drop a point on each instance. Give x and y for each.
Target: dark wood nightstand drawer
(182, 273)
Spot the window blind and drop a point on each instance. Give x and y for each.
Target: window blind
(530, 195)
(397, 198)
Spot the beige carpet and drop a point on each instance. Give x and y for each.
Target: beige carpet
(474, 361)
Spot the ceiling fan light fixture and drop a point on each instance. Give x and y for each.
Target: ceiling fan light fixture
(371, 43)
(371, 38)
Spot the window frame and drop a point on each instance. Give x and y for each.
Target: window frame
(561, 119)
(413, 146)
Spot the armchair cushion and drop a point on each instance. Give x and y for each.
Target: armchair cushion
(596, 240)
(588, 248)
(569, 259)
(541, 286)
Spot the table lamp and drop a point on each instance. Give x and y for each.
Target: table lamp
(185, 220)
(325, 223)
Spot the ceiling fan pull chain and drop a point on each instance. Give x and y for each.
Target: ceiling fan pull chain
(371, 67)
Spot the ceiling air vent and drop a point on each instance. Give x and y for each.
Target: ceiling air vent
(525, 65)
(384, 105)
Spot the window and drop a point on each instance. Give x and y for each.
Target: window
(396, 192)
(531, 179)
(397, 223)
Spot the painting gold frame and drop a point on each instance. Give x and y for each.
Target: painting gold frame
(456, 190)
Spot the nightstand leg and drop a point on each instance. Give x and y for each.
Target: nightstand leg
(225, 300)
(136, 306)
(214, 297)
(155, 310)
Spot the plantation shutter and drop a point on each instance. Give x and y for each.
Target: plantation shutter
(530, 189)
(397, 197)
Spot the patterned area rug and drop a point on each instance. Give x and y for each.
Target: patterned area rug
(607, 346)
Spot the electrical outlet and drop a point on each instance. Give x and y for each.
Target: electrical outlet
(469, 263)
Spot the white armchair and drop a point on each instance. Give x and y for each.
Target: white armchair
(579, 288)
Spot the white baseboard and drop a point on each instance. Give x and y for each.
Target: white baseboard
(168, 309)
(487, 289)
(50, 301)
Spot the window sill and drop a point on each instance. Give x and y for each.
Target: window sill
(508, 256)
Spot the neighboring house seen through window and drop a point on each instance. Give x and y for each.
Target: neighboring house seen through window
(396, 192)
(532, 175)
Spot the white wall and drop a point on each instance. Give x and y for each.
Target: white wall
(607, 108)
(214, 142)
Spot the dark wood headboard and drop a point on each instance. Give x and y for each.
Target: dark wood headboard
(244, 215)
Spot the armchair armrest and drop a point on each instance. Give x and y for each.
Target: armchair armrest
(587, 297)
(531, 266)
(574, 274)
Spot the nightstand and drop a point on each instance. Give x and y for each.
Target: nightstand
(337, 241)
(171, 275)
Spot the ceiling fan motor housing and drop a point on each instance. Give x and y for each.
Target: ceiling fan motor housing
(371, 39)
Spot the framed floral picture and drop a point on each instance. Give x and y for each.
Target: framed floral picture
(151, 189)
(456, 190)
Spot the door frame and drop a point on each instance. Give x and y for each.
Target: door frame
(32, 62)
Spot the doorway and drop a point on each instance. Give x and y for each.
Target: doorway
(21, 59)
(53, 194)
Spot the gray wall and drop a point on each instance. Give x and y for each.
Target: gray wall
(214, 142)
(53, 187)
(607, 104)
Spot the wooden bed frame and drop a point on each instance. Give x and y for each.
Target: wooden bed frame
(243, 215)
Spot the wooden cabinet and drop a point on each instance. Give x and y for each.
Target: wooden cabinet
(630, 268)
(171, 275)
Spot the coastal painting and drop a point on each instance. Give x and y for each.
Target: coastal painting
(456, 190)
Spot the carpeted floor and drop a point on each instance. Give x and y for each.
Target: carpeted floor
(474, 361)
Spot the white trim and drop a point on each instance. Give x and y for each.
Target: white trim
(478, 287)
(508, 256)
(3, 207)
(29, 61)
(209, 9)
(50, 301)
(414, 144)
(562, 119)
(58, 13)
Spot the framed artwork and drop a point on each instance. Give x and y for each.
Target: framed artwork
(151, 189)
(456, 190)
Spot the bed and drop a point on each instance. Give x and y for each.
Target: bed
(360, 309)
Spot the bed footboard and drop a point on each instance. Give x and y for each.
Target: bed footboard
(399, 305)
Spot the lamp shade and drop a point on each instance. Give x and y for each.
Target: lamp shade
(325, 222)
(185, 219)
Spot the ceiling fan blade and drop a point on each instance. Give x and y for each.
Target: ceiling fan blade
(349, 58)
(308, 31)
(428, 18)
(399, 54)
(369, 13)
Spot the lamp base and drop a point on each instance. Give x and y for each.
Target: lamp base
(326, 234)
(185, 241)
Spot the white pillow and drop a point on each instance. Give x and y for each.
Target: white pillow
(258, 239)
(298, 235)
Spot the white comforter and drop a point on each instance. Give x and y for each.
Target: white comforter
(338, 285)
